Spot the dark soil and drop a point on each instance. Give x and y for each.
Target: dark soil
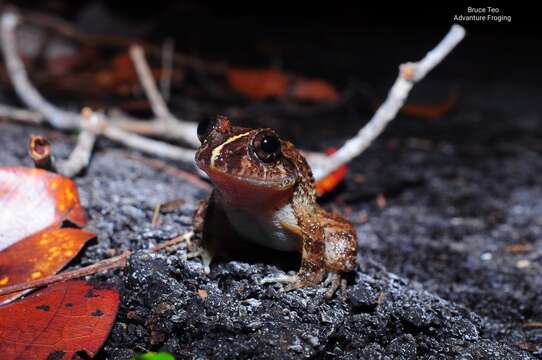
(450, 267)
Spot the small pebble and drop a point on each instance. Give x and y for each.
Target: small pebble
(486, 256)
(523, 263)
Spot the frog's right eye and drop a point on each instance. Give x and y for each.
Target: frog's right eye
(266, 145)
(204, 128)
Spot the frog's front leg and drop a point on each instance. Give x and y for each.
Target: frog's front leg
(312, 267)
(198, 223)
(198, 219)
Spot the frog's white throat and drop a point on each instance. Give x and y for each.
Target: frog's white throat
(276, 230)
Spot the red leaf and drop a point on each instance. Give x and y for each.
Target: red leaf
(58, 322)
(259, 84)
(314, 90)
(331, 181)
(33, 205)
(39, 255)
(34, 199)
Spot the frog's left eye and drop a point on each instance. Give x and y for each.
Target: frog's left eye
(266, 146)
(204, 127)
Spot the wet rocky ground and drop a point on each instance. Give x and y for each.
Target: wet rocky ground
(448, 213)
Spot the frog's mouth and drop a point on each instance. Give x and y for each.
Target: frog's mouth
(248, 193)
(221, 178)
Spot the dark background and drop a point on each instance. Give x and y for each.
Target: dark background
(457, 188)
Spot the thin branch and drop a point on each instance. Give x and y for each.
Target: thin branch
(168, 123)
(101, 266)
(168, 244)
(409, 74)
(19, 77)
(146, 78)
(68, 120)
(153, 147)
(126, 131)
(129, 139)
(10, 112)
(81, 154)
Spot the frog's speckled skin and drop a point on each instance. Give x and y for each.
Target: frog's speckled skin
(270, 203)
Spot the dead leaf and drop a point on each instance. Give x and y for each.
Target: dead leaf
(431, 111)
(262, 84)
(58, 322)
(428, 111)
(34, 199)
(39, 255)
(314, 90)
(259, 84)
(331, 181)
(33, 205)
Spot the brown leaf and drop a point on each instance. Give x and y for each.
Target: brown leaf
(58, 322)
(314, 90)
(39, 255)
(259, 84)
(33, 205)
(34, 199)
(262, 84)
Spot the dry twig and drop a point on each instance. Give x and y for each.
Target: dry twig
(126, 131)
(166, 123)
(67, 120)
(81, 154)
(101, 266)
(10, 112)
(19, 77)
(409, 74)
(104, 265)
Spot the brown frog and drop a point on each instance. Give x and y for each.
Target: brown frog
(264, 190)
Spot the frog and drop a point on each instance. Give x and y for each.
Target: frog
(264, 191)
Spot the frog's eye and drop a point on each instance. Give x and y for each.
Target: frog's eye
(266, 146)
(204, 128)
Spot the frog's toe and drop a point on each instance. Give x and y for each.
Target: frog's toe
(279, 278)
(206, 259)
(204, 255)
(333, 282)
(291, 282)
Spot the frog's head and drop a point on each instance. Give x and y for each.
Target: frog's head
(244, 164)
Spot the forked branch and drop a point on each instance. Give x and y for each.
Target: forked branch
(166, 125)
(409, 74)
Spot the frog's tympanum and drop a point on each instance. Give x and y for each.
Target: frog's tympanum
(264, 190)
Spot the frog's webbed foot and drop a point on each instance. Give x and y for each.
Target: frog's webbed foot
(196, 249)
(206, 258)
(291, 281)
(333, 282)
